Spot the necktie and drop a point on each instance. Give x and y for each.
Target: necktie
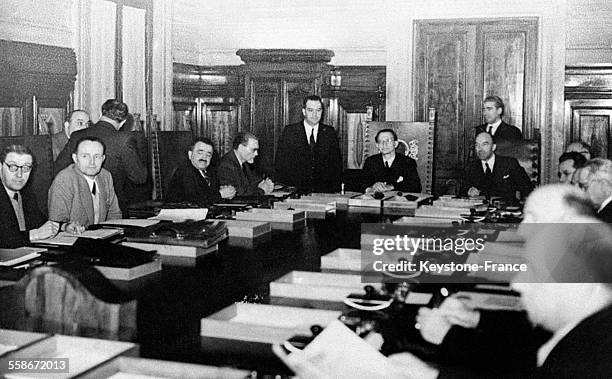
(205, 177)
(244, 169)
(489, 129)
(16, 197)
(488, 171)
(387, 164)
(311, 140)
(19, 212)
(93, 189)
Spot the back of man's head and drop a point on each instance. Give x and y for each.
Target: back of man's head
(115, 110)
(557, 203)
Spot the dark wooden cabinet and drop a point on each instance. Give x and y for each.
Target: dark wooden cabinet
(457, 64)
(588, 108)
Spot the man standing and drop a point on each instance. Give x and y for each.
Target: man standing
(495, 175)
(308, 154)
(122, 159)
(235, 168)
(493, 110)
(389, 171)
(21, 221)
(194, 183)
(568, 164)
(83, 192)
(77, 120)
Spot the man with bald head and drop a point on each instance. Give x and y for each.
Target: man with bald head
(598, 177)
(495, 175)
(77, 120)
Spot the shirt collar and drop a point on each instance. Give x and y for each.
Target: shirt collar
(390, 160)
(9, 192)
(495, 125)
(605, 202)
(490, 161)
(90, 181)
(240, 161)
(309, 128)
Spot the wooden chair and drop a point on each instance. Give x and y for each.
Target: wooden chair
(416, 141)
(74, 299)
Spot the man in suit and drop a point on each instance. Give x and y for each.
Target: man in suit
(308, 154)
(77, 120)
(193, 182)
(493, 110)
(599, 186)
(122, 159)
(568, 164)
(83, 192)
(236, 170)
(21, 221)
(387, 170)
(495, 175)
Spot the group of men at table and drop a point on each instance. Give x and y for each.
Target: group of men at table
(579, 315)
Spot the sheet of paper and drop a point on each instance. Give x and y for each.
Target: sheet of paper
(340, 353)
(141, 223)
(67, 239)
(180, 215)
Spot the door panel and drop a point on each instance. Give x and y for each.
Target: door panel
(590, 121)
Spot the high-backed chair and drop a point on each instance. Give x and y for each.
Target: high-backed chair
(74, 300)
(416, 141)
(42, 174)
(172, 147)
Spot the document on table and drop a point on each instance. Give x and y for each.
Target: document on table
(180, 215)
(67, 239)
(140, 223)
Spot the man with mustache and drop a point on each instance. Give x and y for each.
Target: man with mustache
(194, 183)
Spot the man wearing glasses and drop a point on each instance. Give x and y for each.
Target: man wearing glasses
(21, 220)
(388, 171)
(77, 120)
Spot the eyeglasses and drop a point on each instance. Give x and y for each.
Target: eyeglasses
(13, 167)
(386, 142)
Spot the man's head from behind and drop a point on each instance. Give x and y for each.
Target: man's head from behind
(492, 109)
(484, 146)
(17, 162)
(246, 146)
(556, 203)
(569, 273)
(581, 148)
(89, 155)
(312, 109)
(200, 153)
(115, 110)
(568, 164)
(77, 120)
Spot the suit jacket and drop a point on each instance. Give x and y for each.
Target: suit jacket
(508, 177)
(605, 214)
(583, 353)
(70, 198)
(10, 235)
(296, 165)
(230, 172)
(58, 141)
(403, 167)
(187, 184)
(504, 132)
(122, 159)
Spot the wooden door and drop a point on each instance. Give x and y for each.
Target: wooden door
(590, 121)
(457, 64)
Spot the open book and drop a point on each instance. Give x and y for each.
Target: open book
(11, 257)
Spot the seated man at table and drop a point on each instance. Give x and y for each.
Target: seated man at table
(495, 175)
(83, 192)
(194, 183)
(599, 187)
(235, 168)
(568, 164)
(387, 170)
(21, 221)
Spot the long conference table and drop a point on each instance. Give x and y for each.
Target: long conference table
(171, 303)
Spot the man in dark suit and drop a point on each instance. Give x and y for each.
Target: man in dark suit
(77, 119)
(599, 186)
(493, 110)
(21, 220)
(495, 175)
(569, 162)
(387, 170)
(308, 154)
(194, 183)
(122, 159)
(236, 170)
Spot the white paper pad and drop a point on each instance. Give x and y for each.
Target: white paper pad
(180, 215)
(141, 223)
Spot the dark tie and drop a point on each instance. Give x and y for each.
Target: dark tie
(387, 165)
(488, 172)
(16, 197)
(489, 129)
(244, 169)
(93, 189)
(311, 140)
(205, 177)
